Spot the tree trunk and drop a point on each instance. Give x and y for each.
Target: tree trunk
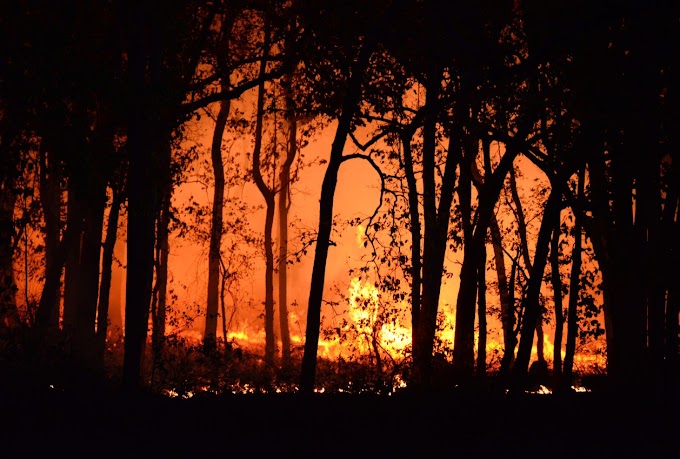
(600, 233)
(116, 292)
(557, 295)
(49, 298)
(74, 220)
(284, 203)
(214, 256)
(142, 202)
(619, 259)
(463, 351)
(88, 273)
(530, 302)
(107, 270)
(436, 219)
(574, 283)
(161, 288)
(526, 256)
(349, 108)
(86, 202)
(415, 230)
(50, 200)
(481, 316)
(9, 313)
(268, 195)
(423, 337)
(507, 306)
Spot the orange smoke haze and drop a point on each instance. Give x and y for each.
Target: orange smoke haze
(357, 196)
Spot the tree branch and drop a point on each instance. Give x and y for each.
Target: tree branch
(232, 93)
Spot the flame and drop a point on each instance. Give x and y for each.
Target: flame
(361, 236)
(364, 312)
(370, 324)
(364, 307)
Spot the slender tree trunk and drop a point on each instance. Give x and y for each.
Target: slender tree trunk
(107, 271)
(530, 302)
(210, 334)
(74, 220)
(572, 314)
(436, 219)
(269, 196)
(463, 351)
(507, 308)
(423, 338)
(161, 287)
(217, 223)
(349, 108)
(600, 233)
(284, 203)
(557, 295)
(574, 283)
(116, 292)
(50, 200)
(283, 268)
(414, 221)
(481, 316)
(526, 256)
(49, 298)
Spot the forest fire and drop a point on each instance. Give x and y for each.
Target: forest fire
(265, 197)
(336, 229)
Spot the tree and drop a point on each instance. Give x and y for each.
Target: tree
(108, 253)
(155, 94)
(623, 127)
(347, 34)
(574, 280)
(214, 257)
(269, 196)
(349, 107)
(283, 206)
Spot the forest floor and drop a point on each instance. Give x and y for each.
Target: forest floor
(109, 424)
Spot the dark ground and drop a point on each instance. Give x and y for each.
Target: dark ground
(288, 425)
